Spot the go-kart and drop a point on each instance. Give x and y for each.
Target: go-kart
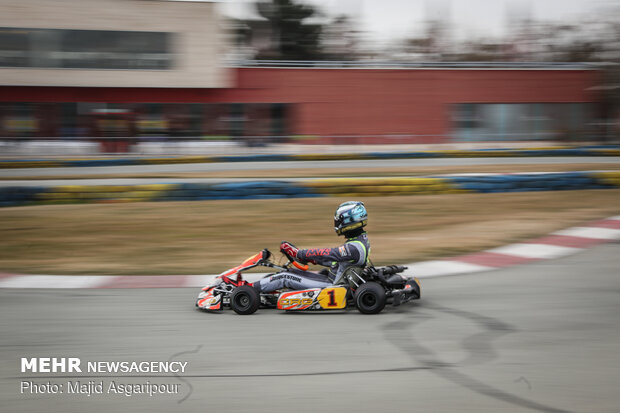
(369, 289)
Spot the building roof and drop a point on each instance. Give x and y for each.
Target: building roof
(372, 64)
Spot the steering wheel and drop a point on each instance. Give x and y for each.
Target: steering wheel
(297, 264)
(300, 266)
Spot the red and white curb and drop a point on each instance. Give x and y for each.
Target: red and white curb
(555, 245)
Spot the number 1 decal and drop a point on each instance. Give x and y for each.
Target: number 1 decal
(332, 299)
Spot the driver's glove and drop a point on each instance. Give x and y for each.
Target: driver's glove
(289, 249)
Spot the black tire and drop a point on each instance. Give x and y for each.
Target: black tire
(370, 298)
(244, 300)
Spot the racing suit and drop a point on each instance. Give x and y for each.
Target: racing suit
(354, 251)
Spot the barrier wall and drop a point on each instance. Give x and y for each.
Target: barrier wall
(477, 153)
(353, 187)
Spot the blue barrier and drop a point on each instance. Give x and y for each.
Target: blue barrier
(16, 195)
(253, 158)
(529, 182)
(237, 190)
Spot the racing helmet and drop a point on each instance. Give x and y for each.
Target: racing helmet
(349, 216)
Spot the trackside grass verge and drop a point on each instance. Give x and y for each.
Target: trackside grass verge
(209, 236)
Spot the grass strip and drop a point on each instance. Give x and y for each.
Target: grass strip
(210, 236)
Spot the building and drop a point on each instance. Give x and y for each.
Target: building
(149, 69)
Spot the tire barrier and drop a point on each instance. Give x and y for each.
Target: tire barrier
(529, 182)
(350, 187)
(384, 186)
(610, 150)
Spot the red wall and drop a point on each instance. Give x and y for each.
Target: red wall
(355, 101)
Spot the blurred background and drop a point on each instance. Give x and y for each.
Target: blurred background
(101, 101)
(168, 77)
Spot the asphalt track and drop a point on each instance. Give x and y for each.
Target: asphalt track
(249, 166)
(541, 337)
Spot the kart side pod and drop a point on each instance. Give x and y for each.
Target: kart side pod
(328, 298)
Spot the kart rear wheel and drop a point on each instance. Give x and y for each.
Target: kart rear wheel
(370, 298)
(244, 300)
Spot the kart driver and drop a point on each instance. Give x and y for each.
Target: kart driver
(350, 219)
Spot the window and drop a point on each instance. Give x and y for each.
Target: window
(85, 49)
(520, 121)
(144, 121)
(19, 119)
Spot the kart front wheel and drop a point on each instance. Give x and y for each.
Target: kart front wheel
(244, 300)
(370, 298)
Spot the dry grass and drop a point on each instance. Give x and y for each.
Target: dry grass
(210, 236)
(340, 172)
